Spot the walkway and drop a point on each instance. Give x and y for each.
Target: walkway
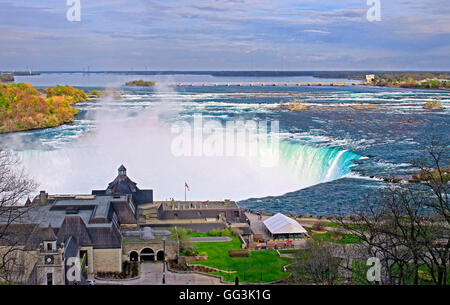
(152, 274)
(211, 239)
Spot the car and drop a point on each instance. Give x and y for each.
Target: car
(90, 282)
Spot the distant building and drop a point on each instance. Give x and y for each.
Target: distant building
(370, 78)
(123, 185)
(280, 226)
(196, 215)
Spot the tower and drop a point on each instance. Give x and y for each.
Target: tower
(50, 265)
(122, 171)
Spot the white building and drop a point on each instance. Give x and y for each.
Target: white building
(280, 226)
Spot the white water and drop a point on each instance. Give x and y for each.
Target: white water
(143, 144)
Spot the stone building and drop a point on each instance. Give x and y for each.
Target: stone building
(196, 215)
(104, 229)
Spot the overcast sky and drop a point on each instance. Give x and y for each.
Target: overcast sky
(225, 35)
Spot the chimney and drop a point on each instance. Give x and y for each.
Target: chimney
(43, 198)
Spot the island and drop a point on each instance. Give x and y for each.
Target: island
(434, 105)
(141, 83)
(418, 80)
(23, 107)
(6, 78)
(293, 105)
(95, 93)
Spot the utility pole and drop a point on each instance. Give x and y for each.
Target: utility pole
(164, 261)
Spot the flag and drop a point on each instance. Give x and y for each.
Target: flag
(187, 186)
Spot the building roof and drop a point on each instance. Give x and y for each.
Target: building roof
(281, 224)
(123, 185)
(74, 226)
(49, 234)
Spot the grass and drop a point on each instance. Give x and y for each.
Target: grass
(288, 251)
(195, 234)
(359, 270)
(261, 266)
(341, 238)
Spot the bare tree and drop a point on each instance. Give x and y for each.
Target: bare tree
(407, 226)
(15, 186)
(317, 264)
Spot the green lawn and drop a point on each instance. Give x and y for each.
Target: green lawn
(330, 236)
(261, 266)
(287, 251)
(195, 234)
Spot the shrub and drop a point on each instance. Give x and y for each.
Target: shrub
(226, 232)
(214, 232)
(236, 232)
(191, 252)
(22, 107)
(318, 226)
(238, 253)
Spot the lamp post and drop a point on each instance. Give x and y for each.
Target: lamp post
(164, 261)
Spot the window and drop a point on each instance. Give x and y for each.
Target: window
(115, 220)
(236, 214)
(132, 207)
(49, 278)
(50, 245)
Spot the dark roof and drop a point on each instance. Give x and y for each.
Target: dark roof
(106, 237)
(74, 226)
(143, 196)
(124, 212)
(123, 185)
(17, 234)
(49, 234)
(71, 248)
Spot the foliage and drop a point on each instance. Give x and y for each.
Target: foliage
(434, 105)
(317, 264)
(67, 91)
(341, 238)
(22, 107)
(140, 83)
(129, 270)
(214, 232)
(182, 236)
(408, 226)
(95, 93)
(6, 78)
(14, 187)
(413, 80)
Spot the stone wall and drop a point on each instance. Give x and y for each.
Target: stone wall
(155, 245)
(189, 259)
(108, 260)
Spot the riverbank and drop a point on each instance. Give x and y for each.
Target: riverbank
(6, 78)
(23, 107)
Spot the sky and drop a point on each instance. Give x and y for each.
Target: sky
(225, 35)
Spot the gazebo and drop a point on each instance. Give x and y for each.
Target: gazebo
(280, 226)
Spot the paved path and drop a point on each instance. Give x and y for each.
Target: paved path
(211, 239)
(152, 274)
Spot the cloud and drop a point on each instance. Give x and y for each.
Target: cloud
(316, 31)
(223, 34)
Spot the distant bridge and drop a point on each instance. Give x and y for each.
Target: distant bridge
(261, 84)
